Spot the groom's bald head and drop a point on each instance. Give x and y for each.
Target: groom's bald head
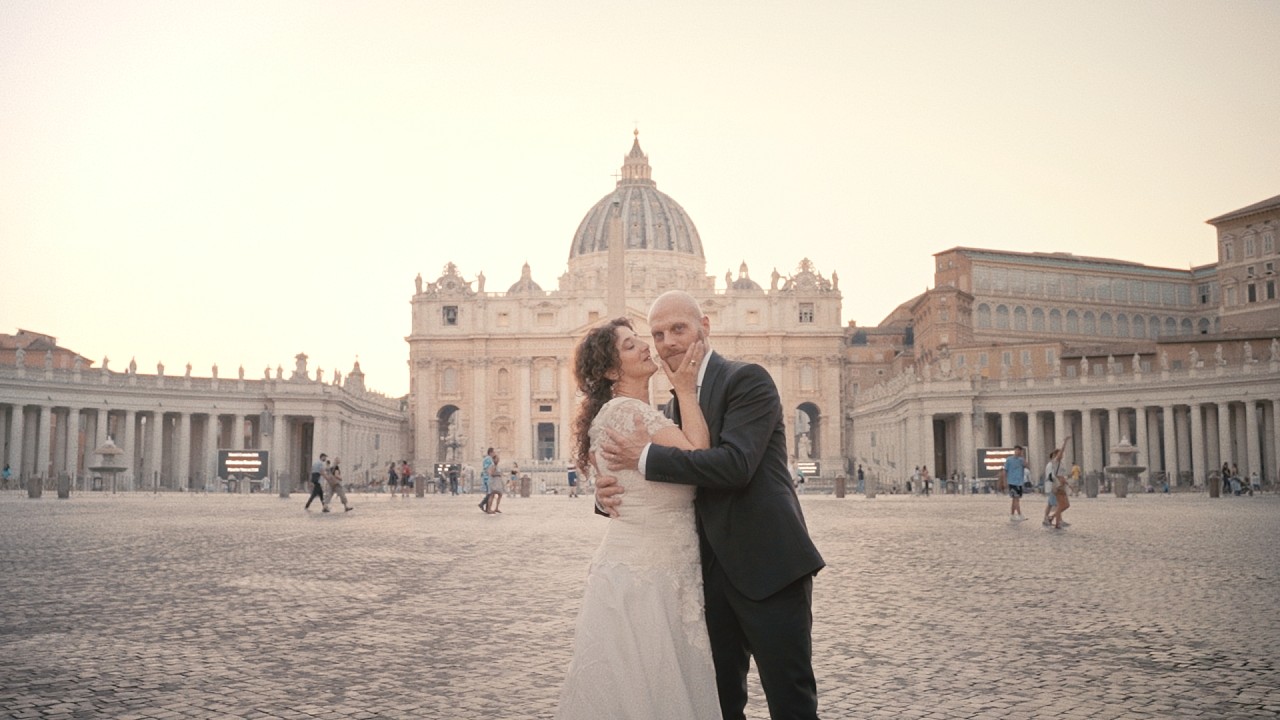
(676, 321)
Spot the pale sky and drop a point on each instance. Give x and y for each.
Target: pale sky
(237, 182)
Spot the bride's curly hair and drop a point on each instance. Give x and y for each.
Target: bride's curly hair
(596, 355)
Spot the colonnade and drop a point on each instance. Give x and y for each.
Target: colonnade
(1181, 442)
(161, 449)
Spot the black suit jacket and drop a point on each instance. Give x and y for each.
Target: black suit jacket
(748, 512)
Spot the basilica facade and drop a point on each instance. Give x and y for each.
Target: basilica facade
(494, 368)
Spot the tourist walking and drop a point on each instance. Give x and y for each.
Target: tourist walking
(496, 487)
(334, 478)
(317, 478)
(488, 467)
(393, 478)
(1012, 476)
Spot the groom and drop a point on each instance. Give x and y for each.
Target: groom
(758, 562)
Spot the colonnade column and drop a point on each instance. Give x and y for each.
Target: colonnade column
(1253, 453)
(182, 477)
(73, 444)
(1036, 456)
(926, 419)
(1059, 429)
(155, 464)
(1170, 445)
(1275, 439)
(1197, 445)
(1007, 435)
(237, 433)
(211, 448)
(16, 436)
(278, 464)
(1224, 434)
(1142, 440)
(44, 452)
(1089, 458)
(968, 450)
(126, 441)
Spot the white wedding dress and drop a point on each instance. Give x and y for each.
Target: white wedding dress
(641, 650)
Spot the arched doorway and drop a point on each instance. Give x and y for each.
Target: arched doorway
(806, 443)
(452, 442)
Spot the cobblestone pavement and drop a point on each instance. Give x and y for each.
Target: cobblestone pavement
(177, 606)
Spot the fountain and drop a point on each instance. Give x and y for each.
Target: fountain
(110, 454)
(1123, 456)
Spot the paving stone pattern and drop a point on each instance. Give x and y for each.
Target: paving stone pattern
(228, 606)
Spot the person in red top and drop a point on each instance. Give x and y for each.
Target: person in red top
(406, 473)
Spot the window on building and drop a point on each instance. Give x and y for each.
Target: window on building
(1250, 246)
(984, 315)
(1026, 357)
(806, 312)
(1202, 292)
(1002, 317)
(544, 408)
(1229, 296)
(1271, 289)
(982, 360)
(960, 361)
(1228, 252)
(1020, 318)
(1006, 357)
(1049, 354)
(1268, 243)
(1251, 270)
(1269, 268)
(449, 313)
(1251, 292)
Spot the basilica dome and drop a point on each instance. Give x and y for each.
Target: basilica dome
(651, 220)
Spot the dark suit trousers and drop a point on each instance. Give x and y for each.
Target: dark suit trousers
(317, 491)
(776, 630)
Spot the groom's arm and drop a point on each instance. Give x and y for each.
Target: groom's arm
(752, 413)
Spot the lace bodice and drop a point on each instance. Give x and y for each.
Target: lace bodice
(655, 522)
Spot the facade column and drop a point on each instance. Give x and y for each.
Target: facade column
(524, 423)
(564, 433)
(1170, 445)
(237, 433)
(1197, 446)
(44, 450)
(479, 416)
(1059, 429)
(182, 478)
(1142, 441)
(1089, 460)
(126, 441)
(73, 445)
(1253, 454)
(17, 434)
(1007, 436)
(1212, 457)
(1113, 432)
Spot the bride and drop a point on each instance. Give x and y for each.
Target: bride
(641, 649)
